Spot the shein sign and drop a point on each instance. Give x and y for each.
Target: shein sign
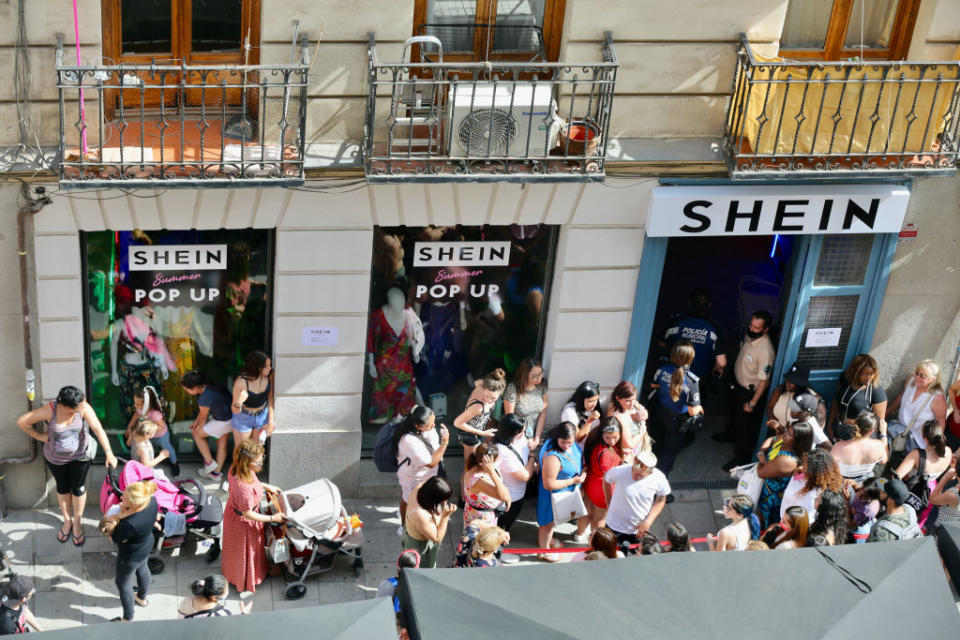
(792, 210)
(186, 257)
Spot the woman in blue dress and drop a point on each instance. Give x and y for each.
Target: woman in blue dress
(561, 470)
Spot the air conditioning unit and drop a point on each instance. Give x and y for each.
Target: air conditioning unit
(497, 119)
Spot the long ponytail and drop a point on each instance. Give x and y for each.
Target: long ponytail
(681, 356)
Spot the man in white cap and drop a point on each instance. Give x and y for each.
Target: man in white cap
(636, 494)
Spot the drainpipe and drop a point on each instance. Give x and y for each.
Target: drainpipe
(30, 207)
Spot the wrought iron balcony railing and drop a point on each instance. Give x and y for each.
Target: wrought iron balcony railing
(801, 119)
(179, 125)
(527, 121)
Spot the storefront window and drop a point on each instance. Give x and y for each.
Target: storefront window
(160, 303)
(447, 305)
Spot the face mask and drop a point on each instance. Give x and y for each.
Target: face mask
(753, 335)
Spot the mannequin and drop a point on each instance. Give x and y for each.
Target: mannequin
(394, 342)
(144, 359)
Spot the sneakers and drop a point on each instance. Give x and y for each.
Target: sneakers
(581, 538)
(208, 470)
(175, 469)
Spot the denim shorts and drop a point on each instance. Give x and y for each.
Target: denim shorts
(244, 422)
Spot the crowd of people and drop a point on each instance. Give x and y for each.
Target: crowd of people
(70, 438)
(867, 470)
(859, 469)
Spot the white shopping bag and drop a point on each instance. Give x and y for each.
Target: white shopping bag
(748, 483)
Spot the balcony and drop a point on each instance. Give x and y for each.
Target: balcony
(499, 121)
(842, 119)
(176, 125)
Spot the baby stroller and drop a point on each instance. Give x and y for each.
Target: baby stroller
(317, 529)
(184, 506)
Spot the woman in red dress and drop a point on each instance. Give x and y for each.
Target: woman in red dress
(602, 451)
(244, 561)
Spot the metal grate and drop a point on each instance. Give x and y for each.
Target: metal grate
(688, 485)
(841, 117)
(179, 125)
(530, 121)
(843, 260)
(828, 312)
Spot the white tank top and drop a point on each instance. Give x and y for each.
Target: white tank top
(913, 413)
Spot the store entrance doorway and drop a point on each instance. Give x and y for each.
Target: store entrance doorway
(742, 274)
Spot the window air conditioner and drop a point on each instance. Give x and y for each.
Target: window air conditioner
(491, 120)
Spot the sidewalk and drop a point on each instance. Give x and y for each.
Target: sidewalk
(75, 585)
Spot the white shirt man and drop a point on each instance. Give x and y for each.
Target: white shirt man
(636, 494)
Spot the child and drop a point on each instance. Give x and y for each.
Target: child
(864, 507)
(141, 449)
(213, 421)
(148, 406)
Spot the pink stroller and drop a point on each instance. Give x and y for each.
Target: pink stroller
(185, 499)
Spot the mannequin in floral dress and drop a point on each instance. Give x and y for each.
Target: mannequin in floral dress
(394, 341)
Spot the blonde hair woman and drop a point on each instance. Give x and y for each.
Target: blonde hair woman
(244, 562)
(922, 399)
(133, 535)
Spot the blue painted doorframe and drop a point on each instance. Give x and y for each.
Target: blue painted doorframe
(644, 309)
(806, 258)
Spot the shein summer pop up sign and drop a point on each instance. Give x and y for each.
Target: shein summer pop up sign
(448, 270)
(177, 274)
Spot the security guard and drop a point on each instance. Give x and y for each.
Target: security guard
(752, 377)
(701, 333)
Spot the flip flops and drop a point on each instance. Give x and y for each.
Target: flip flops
(78, 540)
(62, 536)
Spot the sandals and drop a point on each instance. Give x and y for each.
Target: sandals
(78, 540)
(140, 602)
(548, 557)
(63, 536)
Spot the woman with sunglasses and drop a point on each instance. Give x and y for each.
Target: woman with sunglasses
(244, 561)
(922, 399)
(632, 415)
(526, 397)
(583, 409)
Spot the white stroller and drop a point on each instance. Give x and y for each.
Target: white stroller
(317, 529)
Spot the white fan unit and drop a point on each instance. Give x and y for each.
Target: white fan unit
(494, 120)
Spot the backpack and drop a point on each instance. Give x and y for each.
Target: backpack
(919, 496)
(383, 455)
(911, 530)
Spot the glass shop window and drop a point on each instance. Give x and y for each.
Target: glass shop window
(447, 305)
(160, 303)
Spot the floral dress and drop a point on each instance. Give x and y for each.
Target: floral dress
(243, 560)
(768, 507)
(393, 389)
(479, 506)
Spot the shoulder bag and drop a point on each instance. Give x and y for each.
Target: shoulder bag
(567, 505)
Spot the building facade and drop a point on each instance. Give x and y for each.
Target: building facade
(141, 265)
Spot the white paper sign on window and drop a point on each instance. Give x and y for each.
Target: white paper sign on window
(826, 337)
(320, 336)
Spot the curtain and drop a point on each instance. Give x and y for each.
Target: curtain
(806, 24)
(876, 17)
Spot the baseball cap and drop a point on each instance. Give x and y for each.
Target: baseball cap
(647, 458)
(804, 402)
(895, 490)
(18, 588)
(799, 374)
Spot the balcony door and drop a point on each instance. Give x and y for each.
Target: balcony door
(188, 32)
(474, 30)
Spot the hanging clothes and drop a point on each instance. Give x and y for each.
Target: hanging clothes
(394, 391)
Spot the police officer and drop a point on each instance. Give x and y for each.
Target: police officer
(702, 334)
(678, 401)
(752, 376)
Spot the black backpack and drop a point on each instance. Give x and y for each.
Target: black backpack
(919, 496)
(383, 455)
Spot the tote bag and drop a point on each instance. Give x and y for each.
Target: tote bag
(748, 482)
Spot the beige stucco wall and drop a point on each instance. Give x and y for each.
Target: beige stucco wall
(920, 316)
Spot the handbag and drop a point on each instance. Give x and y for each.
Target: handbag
(567, 505)
(278, 549)
(748, 482)
(898, 441)
(90, 450)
